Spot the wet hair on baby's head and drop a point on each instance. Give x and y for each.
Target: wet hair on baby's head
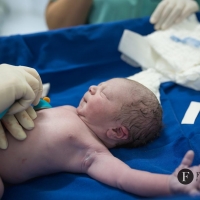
(142, 116)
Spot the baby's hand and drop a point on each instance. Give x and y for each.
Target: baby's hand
(192, 188)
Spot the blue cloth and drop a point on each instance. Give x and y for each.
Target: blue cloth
(73, 59)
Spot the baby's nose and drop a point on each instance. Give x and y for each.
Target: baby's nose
(93, 89)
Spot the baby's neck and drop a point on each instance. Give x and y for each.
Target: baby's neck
(100, 134)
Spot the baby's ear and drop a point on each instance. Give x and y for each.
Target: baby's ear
(120, 133)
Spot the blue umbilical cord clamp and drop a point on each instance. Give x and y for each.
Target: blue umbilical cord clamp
(41, 105)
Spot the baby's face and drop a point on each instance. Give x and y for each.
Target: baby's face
(101, 103)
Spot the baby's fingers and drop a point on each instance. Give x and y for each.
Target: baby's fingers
(187, 159)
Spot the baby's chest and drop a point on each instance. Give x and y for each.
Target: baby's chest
(56, 122)
(66, 143)
(62, 127)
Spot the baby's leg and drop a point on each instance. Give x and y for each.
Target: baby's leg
(1, 188)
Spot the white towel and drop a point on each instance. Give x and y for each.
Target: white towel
(173, 53)
(147, 82)
(46, 88)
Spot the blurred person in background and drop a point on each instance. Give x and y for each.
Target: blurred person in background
(164, 13)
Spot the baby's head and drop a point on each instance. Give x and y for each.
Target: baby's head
(121, 112)
(141, 115)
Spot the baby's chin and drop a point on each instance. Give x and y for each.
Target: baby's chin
(79, 108)
(80, 112)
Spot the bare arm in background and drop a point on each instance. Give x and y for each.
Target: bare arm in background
(66, 13)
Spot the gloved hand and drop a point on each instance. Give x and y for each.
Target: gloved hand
(169, 12)
(14, 124)
(19, 88)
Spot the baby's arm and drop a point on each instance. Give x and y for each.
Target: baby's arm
(65, 13)
(110, 170)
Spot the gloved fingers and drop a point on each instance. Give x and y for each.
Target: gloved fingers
(182, 17)
(13, 127)
(3, 139)
(173, 15)
(169, 15)
(25, 120)
(187, 11)
(31, 112)
(169, 12)
(165, 15)
(24, 102)
(34, 85)
(39, 88)
(158, 12)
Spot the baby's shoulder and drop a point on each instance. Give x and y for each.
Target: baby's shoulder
(67, 107)
(62, 111)
(67, 118)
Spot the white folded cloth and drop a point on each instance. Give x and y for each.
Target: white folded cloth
(46, 88)
(152, 83)
(174, 54)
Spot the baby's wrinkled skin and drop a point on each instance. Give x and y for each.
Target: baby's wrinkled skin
(77, 140)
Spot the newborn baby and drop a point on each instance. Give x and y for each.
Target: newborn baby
(118, 112)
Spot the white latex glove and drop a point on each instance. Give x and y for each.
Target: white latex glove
(14, 124)
(192, 188)
(19, 88)
(169, 12)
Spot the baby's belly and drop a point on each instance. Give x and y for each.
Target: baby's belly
(34, 156)
(52, 146)
(23, 160)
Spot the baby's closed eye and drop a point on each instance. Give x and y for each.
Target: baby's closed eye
(103, 94)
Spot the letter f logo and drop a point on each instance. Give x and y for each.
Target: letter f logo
(185, 176)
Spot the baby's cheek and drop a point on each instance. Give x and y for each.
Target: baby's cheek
(95, 103)
(96, 109)
(100, 106)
